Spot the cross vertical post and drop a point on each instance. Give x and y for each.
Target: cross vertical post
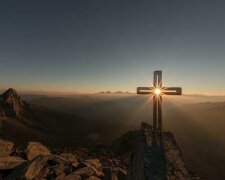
(157, 101)
(155, 112)
(157, 91)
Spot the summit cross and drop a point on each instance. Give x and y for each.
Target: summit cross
(157, 91)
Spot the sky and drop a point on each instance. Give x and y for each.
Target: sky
(87, 46)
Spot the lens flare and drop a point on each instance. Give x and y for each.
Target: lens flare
(157, 91)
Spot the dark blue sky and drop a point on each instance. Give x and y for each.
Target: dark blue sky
(88, 46)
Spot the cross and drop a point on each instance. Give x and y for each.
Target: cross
(157, 91)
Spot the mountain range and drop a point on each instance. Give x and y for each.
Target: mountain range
(24, 123)
(21, 121)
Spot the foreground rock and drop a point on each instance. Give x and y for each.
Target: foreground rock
(5, 147)
(70, 158)
(35, 167)
(138, 155)
(45, 165)
(10, 162)
(35, 149)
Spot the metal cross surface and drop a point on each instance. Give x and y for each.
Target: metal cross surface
(157, 91)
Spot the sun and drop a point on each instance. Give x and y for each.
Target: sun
(157, 91)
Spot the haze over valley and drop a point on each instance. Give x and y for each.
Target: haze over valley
(197, 121)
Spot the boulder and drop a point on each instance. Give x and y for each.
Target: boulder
(81, 152)
(95, 163)
(57, 159)
(70, 158)
(35, 167)
(10, 162)
(41, 166)
(93, 178)
(35, 149)
(69, 177)
(58, 170)
(5, 147)
(85, 172)
(43, 173)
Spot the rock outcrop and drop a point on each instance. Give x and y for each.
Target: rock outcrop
(35, 149)
(154, 155)
(6, 148)
(10, 162)
(11, 104)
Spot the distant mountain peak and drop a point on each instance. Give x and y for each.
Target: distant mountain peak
(11, 103)
(9, 93)
(116, 92)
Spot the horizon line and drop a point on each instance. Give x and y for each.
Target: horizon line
(106, 92)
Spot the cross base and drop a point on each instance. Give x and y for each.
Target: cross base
(157, 112)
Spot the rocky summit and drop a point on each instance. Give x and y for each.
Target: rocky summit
(156, 157)
(143, 154)
(137, 155)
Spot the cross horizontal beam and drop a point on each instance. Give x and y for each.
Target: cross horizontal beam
(145, 90)
(164, 90)
(172, 91)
